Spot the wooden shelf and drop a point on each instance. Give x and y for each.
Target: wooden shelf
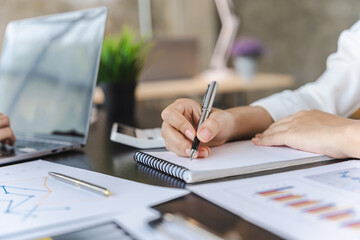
(196, 86)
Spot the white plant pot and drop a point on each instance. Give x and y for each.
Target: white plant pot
(245, 67)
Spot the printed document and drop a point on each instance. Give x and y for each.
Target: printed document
(31, 200)
(316, 203)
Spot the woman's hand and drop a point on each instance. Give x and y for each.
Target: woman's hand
(314, 131)
(6, 134)
(180, 121)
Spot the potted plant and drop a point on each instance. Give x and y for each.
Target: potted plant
(246, 52)
(122, 59)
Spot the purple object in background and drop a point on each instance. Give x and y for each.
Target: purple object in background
(248, 46)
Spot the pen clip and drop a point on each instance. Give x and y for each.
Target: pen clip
(204, 98)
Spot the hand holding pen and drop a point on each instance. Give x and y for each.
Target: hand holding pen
(181, 125)
(206, 107)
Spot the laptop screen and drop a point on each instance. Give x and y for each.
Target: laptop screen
(48, 71)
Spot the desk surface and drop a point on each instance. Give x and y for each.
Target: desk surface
(231, 84)
(107, 157)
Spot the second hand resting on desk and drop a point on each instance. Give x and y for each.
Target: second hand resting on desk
(206, 105)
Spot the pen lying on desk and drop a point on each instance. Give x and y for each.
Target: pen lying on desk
(79, 183)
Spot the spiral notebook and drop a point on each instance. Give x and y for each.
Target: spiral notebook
(231, 159)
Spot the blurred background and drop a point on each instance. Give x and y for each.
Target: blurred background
(298, 35)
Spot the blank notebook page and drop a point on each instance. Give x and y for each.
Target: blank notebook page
(235, 155)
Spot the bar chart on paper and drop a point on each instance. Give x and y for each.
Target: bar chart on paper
(322, 202)
(312, 204)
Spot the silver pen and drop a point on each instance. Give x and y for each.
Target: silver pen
(79, 183)
(206, 105)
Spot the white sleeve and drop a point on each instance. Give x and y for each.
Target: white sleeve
(337, 91)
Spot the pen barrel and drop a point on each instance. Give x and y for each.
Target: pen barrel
(207, 103)
(205, 114)
(93, 188)
(80, 184)
(209, 96)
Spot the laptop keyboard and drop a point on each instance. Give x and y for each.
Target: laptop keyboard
(27, 146)
(6, 151)
(38, 145)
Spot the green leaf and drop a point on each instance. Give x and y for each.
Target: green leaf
(123, 56)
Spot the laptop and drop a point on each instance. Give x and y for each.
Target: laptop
(48, 72)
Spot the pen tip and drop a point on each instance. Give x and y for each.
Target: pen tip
(192, 154)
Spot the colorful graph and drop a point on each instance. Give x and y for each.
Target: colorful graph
(26, 202)
(288, 197)
(352, 224)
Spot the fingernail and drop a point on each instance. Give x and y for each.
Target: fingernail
(189, 134)
(203, 153)
(255, 139)
(204, 135)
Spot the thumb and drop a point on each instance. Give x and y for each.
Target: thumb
(211, 127)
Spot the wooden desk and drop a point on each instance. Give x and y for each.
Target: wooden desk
(102, 155)
(190, 87)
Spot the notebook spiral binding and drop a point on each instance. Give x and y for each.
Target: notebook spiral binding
(161, 165)
(162, 178)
